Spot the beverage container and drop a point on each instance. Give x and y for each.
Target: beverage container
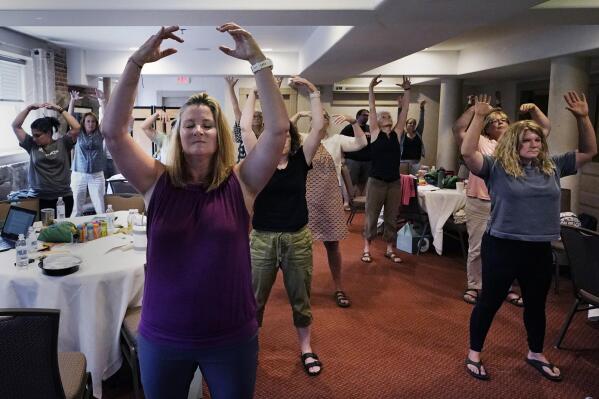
(440, 177)
(47, 215)
(31, 240)
(60, 209)
(89, 232)
(110, 217)
(133, 214)
(22, 257)
(103, 228)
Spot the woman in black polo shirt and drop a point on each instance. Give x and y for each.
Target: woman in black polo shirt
(384, 185)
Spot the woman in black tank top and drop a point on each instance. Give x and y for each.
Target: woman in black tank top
(384, 187)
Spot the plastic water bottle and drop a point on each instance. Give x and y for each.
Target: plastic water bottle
(31, 240)
(110, 217)
(22, 257)
(60, 209)
(131, 220)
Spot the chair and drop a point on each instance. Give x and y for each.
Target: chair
(582, 250)
(414, 214)
(356, 203)
(31, 366)
(459, 232)
(129, 346)
(557, 248)
(123, 202)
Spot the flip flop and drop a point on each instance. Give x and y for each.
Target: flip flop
(394, 258)
(478, 365)
(518, 301)
(538, 365)
(341, 299)
(366, 258)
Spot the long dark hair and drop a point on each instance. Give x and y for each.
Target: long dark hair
(46, 124)
(296, 140)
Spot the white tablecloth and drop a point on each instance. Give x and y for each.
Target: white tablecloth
(92, 301)
(440, 204)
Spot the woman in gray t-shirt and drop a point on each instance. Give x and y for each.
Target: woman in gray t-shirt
(524, 186)
(49, 159)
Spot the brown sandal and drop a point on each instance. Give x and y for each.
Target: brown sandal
(394, 258)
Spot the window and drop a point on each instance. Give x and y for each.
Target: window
(13, 71)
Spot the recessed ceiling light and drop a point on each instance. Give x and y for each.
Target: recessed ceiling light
(266, 49)
(133, 48)
(202, 49)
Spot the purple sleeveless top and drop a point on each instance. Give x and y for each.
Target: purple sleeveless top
(198, 287)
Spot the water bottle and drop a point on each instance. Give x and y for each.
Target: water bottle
(440, 177)
(110, 217)
(60, 209)
(131, 220)
(31, 240)
(22, 257)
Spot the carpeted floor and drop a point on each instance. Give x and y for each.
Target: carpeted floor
(406, 336)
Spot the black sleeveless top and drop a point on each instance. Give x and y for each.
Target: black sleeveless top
(386, 157)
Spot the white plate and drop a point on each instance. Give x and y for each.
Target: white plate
(61, 261)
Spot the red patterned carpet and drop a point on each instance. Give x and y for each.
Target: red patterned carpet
(406, 335)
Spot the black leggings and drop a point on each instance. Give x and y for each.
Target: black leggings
(503, 261)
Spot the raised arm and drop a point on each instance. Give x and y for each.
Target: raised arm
(317, 132)
(137, 166)
(248, 136)
(99, 95)
(461, 124)
(147, 126)
(17, 123)
(257, 168)
(399, 109)
(420, 126)
(372, 116)
(352, 143)
(74, 126)
(587, 139)
(231, 82)
(538, 116)
(403, 115)
(74, 96)
(469, 148)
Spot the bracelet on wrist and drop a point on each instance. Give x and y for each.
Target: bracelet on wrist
(135, 63)
(260, 65)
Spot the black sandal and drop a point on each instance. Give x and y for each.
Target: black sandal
(537, 364)
(517, 301)
(341, 299)
(315, 363)
(469, 298)
(478, 366)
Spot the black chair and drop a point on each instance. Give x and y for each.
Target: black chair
(356, 203)
(414, 214)
(31, 365)
(582, 250)
(129, 347)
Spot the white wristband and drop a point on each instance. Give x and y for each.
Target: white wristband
(266, 63)
(316, 94)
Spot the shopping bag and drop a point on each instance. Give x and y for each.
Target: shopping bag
(406, 239)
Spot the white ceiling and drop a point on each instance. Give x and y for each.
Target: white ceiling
(333, 40)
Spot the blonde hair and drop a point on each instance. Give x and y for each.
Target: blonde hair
(491, 117)
(508, 148)
(222, 161)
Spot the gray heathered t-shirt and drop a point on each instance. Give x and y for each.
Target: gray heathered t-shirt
(525, 208)
(49, 167)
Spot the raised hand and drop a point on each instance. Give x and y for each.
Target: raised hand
(482, 105)
(278, 81)
(246, 47)
(150, 51)
(231, 81)
(36, 106)
(51, 106)
(98, 94)
(298, 81)
(406, 84)
(339, 119)
(577, 104)
(75, 95)
(375, 81)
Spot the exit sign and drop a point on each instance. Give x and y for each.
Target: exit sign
(183, 80)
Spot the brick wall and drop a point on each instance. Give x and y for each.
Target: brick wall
(60, 76)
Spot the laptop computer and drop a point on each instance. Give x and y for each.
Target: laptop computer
(17, 222)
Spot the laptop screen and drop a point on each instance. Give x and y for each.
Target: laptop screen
(17, 222)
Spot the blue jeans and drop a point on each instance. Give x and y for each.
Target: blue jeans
(229, 371)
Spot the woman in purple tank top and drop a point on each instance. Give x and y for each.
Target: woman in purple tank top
(198, 305)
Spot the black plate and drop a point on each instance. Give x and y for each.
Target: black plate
(57, 272)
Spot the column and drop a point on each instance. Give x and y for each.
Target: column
(450, 106)
(567, 73)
